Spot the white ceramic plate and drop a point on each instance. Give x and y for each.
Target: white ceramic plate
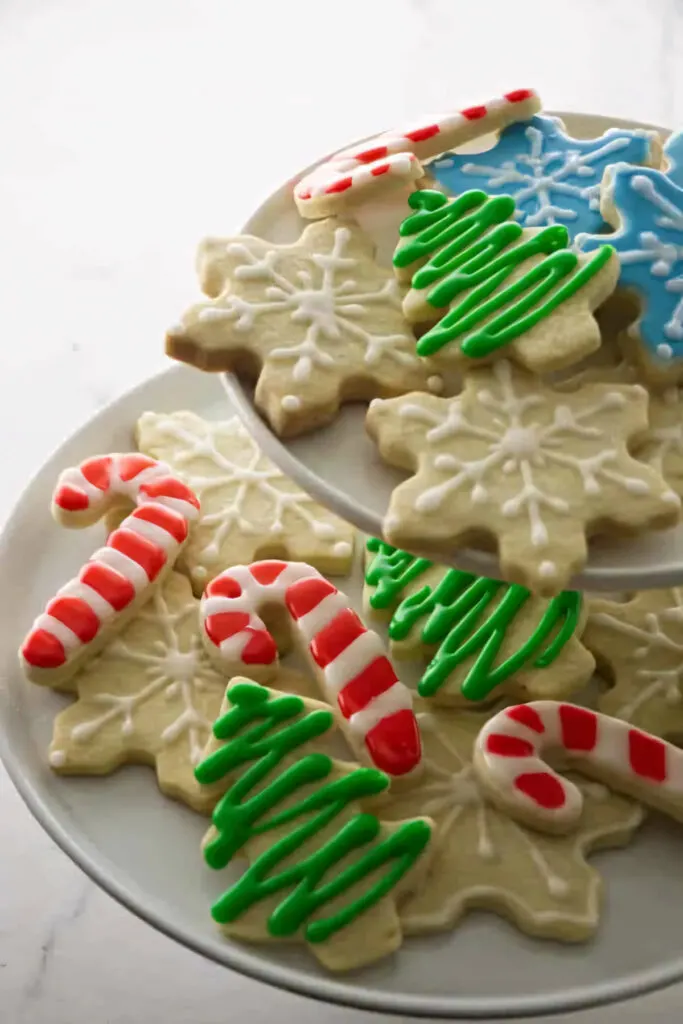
(144, 849)
(357, 484)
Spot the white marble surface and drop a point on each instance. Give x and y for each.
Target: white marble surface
(129, 128)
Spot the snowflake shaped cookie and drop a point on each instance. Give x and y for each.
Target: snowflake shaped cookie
(318, 321)
(482, 639)
(639, 646)
(250, 509)
(515, 460)
(552, 177)
(645, 206)
(151, 697)
(484, 859)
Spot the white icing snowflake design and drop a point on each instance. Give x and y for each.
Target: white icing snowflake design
(247, 502)
(551, 176)
(322, 297)
(168, 670)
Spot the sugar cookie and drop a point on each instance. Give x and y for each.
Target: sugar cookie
(272, 744)
(250, 510)
(318, 322)
(514, 460)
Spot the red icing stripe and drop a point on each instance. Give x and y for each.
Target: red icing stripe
(165, 518)
(169, 487)
(305, 595)
(382, 169)
(225, 624)
(97, 471)
(541, 787)
(368, 155)
(78, 616)
(267, 572)
(108, 583)
(43, 650)
(525, 715)
(336, 637)
(422, 134)
(376, 678)
(130, 465)
(71, 499)
(304, 193)
(508, 746)
(647, 755)
(517, 95)
(148, 555)
(394, 743)
(224, 586)
(341, 185)
(260, 648)
(579, 727)
(474, 113)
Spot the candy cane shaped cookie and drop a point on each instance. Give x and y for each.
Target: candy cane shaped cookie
(509, 762)
(348, 659)
(119, 577)
(351, 175)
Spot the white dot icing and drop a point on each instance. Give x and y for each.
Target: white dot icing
(291, 403)
(341, 549)
(547, 569)
(57, 758)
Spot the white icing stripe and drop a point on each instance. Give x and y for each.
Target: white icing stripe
(151, 532)
(396, 698)
(66, 636)
(73, 477)
(351, 662)
(76, 588)
(179, 505)
(320, 616)
(123, 564)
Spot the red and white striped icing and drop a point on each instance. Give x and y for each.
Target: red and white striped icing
(397, 154)
(509, 761)
(350, 660)
(119, 575)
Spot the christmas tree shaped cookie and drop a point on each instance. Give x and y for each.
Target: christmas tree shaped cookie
(249, 509)
(553, 178)
(515, 461)
(318, 322)
(645, 206)
(483, 858)
(486, 639)
(322, 869)
(485, 286)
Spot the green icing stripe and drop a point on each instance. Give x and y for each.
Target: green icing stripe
(260, 730)
(460, 621)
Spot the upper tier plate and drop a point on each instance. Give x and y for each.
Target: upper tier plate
(358, 485)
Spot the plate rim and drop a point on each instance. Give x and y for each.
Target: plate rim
(84, 853)
(472, 560)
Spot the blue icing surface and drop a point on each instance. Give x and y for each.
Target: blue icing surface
(552, 177)
(649, 244)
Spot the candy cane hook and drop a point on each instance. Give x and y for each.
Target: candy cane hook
(348, 659)
(119, 577)
(509, 762)
(352, 175)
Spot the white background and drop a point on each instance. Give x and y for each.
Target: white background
(129, 129)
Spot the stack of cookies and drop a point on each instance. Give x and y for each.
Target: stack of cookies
(520, 360)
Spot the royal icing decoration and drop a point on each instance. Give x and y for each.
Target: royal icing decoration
(551, 176)
(352, 175)
(509, 761)
(356, 675)
(152, 695)
(640, 642)
(319, 317)
(120, 575)
(301, 800)
(250, 509)
(460, 253)
(646, 208)
(484, 858)
(469, 620)
(515, 459)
